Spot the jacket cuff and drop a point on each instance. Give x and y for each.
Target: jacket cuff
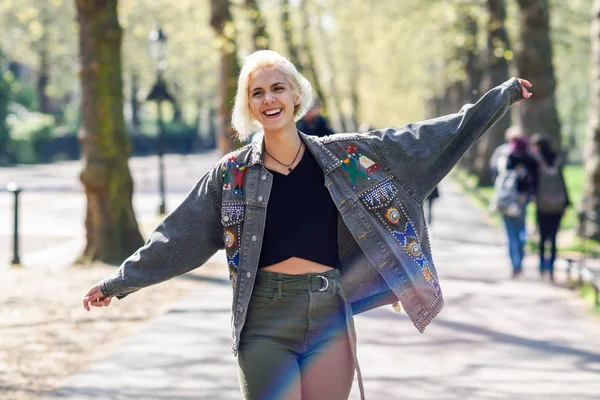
(514, 88)
(106, 289)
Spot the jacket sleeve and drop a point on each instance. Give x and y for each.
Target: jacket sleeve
(184, 240)
(422, 153)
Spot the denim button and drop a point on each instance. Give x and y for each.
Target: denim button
(260, 198)
(254, 238)
(264, 177)
(240, 309)
(248, 275)
(226, 218)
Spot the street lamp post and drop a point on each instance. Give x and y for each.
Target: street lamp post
(158, 51)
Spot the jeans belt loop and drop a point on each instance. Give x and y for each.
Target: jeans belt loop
(279, 290)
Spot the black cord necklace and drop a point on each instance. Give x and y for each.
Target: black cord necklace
(289, 166)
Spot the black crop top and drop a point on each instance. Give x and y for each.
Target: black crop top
(301, 217)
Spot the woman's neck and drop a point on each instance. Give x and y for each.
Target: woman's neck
(283, 144)
(282, 147)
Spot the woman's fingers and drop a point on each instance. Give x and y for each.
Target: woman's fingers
(524, 85)
(95, 298)
(524, 82)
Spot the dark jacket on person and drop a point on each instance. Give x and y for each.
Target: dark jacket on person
(527, 182)
(316, 127)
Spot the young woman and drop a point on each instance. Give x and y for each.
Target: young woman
(552, 199)
(525, 166)
(315, 230)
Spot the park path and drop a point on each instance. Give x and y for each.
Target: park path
(497, 338)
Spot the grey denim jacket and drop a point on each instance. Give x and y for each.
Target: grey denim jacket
(377, 180)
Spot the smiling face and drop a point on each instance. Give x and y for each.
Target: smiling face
(271, 99)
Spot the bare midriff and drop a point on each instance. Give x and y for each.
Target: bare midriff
(297, 266)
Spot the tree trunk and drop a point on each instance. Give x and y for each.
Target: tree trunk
(228, 70)
(534, 63)
(591, 191)
(498, 49)
(135, 104)
(44, 63)
(286, 25)
(308, 51)
(43, 79)
(259, 25)
(111, 226)
(473, 78)
(5, 94)
(336, 99)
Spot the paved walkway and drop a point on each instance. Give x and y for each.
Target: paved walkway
(496, 338)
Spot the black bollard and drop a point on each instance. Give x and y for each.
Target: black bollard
(15, 189)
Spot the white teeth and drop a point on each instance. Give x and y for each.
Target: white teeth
(273, 112)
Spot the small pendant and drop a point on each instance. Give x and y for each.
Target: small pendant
(290, 169)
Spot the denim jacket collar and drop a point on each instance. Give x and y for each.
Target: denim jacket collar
(325, 158)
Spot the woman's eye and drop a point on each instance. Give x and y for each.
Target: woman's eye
(279, 88)
(256, 94)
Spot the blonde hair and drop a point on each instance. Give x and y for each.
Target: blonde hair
(241, 118)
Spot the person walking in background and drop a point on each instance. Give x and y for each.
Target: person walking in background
(504, 149)
(514, 187)
(435, 193)
(314, 230)
(313, 123)
(552, 199)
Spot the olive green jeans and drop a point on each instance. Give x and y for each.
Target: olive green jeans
(298, 341)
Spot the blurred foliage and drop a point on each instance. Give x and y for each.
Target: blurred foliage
(30, 132)
(5, 97)
(395, 54)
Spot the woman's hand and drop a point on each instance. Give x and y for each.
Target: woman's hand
(95, 298)
(524, 85)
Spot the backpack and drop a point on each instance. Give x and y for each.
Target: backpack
(551, 195)
(506, 193)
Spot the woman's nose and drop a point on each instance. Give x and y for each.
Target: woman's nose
(268, 97)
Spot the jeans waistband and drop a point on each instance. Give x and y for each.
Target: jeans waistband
(314, 282)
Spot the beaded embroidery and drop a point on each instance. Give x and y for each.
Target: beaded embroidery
(380, 196)
(393, 215)
(232, 214)
(229, 239)
(355, 163)
(233, 260)
(409, 240)
(233, 278)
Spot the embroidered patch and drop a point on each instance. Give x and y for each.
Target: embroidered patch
(233, 278)
(368, 164)
(239, 173)
(392, 215)
(233, 260)
(232, 214)
(229, 239)
(409, 240)
(414, 249)
(351, 167)
(380, 196)
(427, 274)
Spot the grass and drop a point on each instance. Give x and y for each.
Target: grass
(588, 293)
(574, 178)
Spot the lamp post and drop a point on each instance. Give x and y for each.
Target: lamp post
(158, 51)
(15, 190)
